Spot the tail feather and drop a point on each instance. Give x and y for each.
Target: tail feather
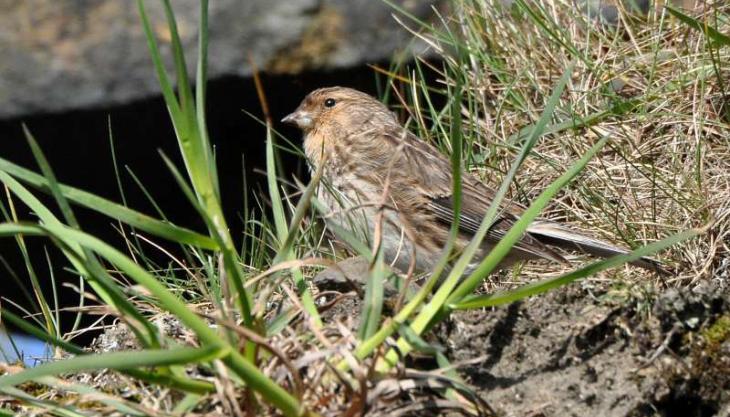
(566, 238)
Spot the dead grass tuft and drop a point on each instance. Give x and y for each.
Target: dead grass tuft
(655, 87)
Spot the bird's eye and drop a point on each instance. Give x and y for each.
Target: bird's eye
(330, 102)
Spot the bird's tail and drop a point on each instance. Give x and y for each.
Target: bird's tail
(558, 235)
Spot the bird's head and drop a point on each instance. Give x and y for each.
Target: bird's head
(341, 106)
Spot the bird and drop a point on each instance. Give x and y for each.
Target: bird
(381, 181)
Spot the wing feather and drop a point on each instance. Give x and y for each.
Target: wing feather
(434, 169)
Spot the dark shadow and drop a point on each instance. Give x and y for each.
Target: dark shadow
(502, 334)
(77, 146)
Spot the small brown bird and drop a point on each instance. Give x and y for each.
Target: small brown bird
(374, 165)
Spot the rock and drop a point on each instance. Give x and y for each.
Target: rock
(608, 11)
(64, 54)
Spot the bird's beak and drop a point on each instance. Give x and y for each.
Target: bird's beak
(299, 118)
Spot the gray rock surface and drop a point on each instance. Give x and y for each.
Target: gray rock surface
(64, 54)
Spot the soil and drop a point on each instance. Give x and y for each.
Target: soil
(589, 349)
(576, 352)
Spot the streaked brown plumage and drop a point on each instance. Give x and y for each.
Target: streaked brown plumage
(371, 161)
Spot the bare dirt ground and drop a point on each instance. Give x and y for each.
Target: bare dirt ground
(593, 348)
(583, 351)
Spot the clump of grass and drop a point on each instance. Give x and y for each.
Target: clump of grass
(655, 86)
(536, 95)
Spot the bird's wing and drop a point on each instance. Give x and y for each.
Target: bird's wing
(434, 172)
(470, 220)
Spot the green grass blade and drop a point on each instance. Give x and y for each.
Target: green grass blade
(167, 92)
(543, 20)
(193, 136)
(372, 306)
(51, 177)
(83, 262)
(518, 229)
(148, 196)
(185, 384)
(506, 297)
(234, 274)
(201, 80)
(709, 31)
(196, 151)
(299, 213)
(126, 408)
(26, 327)
(185, 94)
(444, 292)
(570, 124)
(439, 299)
(113, 210)
(38, 299)
(491, 214)
(284, 234)
(169, 302)
(45, 407)
(118, 360)
(277, 206)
